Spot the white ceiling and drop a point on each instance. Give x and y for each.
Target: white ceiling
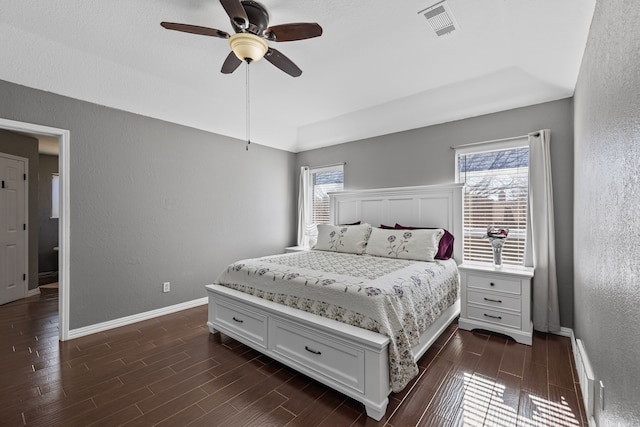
(377, 69)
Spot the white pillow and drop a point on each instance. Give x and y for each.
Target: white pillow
(421, 245)
(350, 239)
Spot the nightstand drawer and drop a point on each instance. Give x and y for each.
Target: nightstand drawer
(494, 316)
(493, 283)
(494, 300)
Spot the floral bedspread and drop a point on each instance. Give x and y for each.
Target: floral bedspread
(396, 298)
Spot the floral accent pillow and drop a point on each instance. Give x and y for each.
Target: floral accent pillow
(445, 250)
(420, 245)
(351, 239)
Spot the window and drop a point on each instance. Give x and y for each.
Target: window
(496, 178)
(321, 182)
(55, 196)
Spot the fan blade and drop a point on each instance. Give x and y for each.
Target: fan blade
(194, 29)
(230, 64)
(292, 32)
(285, 64)
(236, 12)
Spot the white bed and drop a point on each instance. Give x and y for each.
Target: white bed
(350, 359)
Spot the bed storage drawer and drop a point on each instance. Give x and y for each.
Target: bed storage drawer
(320, 353)
(246, 323)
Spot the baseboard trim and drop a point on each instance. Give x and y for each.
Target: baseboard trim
(123, 321)
(32, 292)
(566, 332)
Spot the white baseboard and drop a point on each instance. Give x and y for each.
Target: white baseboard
(568, 332)
(565, 332)
(32, 292)
(123, 321)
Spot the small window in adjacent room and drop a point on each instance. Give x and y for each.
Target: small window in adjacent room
(55, 196)
(496, 178)
(323, 181)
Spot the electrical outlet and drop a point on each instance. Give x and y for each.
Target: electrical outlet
(166, 286)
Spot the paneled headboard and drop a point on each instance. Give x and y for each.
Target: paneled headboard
(421, 206)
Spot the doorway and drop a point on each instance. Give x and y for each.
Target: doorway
(13, 229)
(63, 223)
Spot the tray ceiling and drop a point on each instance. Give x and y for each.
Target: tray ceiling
(378, 68)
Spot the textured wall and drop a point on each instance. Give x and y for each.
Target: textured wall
(48, 236)
(24, 146)
(152, 201)
(607, 206)
(423, 156)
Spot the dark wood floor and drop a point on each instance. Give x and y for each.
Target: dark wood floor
(170, 371)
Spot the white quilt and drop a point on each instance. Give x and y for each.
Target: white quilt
(396, 298)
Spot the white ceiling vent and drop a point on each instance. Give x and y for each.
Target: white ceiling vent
(440, 18)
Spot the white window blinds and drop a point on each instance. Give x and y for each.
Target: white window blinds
(496, 179)
(323, 181)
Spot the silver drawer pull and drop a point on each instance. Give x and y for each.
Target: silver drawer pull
(312, 351)
(238, 320)
(492, 300)
(493, 317)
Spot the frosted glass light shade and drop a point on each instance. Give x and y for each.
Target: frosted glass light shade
(248, 46)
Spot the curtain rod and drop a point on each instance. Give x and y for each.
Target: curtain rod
(453, 147)
(326, 166)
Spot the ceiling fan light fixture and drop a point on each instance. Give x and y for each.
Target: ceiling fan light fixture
(248, 47)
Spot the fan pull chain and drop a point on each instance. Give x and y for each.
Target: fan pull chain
(248, 112)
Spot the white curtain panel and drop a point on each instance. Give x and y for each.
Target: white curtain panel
(540, 251)
(303, 207)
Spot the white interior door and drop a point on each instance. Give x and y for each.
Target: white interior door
(13, 234)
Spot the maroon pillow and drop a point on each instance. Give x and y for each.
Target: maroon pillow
(445, 246)
(387, 227)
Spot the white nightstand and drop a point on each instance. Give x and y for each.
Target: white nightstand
(295, 249)
(497, 300)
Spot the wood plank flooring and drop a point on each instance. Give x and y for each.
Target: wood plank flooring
(170, 371)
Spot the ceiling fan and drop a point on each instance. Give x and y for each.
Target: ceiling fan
(250, 21)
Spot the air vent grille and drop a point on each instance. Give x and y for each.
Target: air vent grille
(440, 18)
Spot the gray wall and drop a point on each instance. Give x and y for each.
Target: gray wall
(153, 201)
(24, 146)
(48, 233)
(607, 205)
(423, 156)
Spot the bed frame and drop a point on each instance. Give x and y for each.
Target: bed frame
(348, 359)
